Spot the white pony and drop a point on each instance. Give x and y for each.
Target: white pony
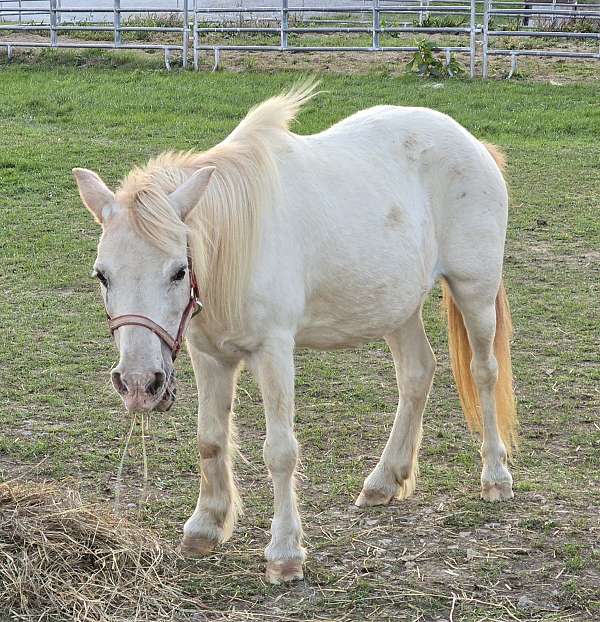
(322, 241)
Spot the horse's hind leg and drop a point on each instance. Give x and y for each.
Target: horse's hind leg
(477, 303)
(396, 472)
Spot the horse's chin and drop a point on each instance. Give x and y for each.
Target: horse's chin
(168, 398)
(164, 404)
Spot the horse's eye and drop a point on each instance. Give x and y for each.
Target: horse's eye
(100, 276)
(178, 276)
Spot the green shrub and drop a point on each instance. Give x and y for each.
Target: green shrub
(427, 65)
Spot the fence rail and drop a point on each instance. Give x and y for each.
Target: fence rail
(374, 9)
(545, 15)
(199, 23)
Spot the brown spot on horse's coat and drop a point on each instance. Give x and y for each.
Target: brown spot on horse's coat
(394, 218)
(411, 147)
(208, 450)
(411, 142)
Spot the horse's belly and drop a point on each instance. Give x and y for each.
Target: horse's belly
(335, 319)
(334, 337)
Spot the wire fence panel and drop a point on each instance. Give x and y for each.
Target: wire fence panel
(536, 19)
(199, 27)
(376, 19)
(56, 18)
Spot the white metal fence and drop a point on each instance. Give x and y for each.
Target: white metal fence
(283, 26)
(557, 21)
(55, 17)
(366, 18)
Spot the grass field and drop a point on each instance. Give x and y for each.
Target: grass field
(443, 554)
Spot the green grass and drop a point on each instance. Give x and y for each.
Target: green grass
(58, 411)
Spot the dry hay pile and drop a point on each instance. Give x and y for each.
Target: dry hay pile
(63, 560)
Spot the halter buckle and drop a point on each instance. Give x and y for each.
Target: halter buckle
(198, 306)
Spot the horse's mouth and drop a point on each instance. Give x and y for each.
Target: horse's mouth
(168, 398)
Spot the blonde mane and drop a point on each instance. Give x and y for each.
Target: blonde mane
(223, 230)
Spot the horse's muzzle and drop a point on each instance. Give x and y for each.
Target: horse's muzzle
(168, 398)
(145, 391)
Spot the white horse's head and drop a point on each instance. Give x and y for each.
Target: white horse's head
(141, 278)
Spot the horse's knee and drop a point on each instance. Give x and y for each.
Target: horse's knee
(281, 453)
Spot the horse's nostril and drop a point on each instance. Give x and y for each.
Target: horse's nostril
(155, 387)
(118, 382)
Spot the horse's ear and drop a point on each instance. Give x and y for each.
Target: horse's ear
(94, 193)
(186, 197)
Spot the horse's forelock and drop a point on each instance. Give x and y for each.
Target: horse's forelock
(144, 194)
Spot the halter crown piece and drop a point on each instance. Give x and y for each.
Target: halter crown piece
(193, 307)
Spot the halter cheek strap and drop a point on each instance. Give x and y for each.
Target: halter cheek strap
(193, 307)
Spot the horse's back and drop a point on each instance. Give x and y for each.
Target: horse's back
(427, 177)
(375, 207)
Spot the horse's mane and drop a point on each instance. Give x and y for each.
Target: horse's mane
(223, 230)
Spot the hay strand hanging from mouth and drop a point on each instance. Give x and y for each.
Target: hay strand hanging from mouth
(144, 493)
(63, 560)
(119, 483)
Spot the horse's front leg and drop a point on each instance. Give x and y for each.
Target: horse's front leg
(273, 366)
(218, 504)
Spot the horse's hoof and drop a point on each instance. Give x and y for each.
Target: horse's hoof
(496, 491)
(197, 547)
(369, 497)
(284, 571)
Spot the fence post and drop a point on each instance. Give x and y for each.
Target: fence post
(486, 18)
(117, 22)
(284, 24)
(423, 12)
(53, 33)
(186, 33)
(195, 38)
(513, 66)
(472, 41)
(376, 25)
(448, 60)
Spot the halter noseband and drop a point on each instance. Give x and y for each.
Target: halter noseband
(193, 307)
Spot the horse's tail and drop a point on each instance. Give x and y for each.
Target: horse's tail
(460, 357)
(496, 153)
